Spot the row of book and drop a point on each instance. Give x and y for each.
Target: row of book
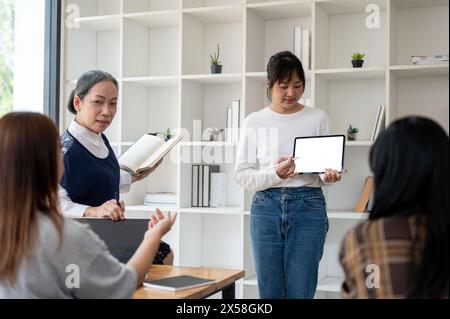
(302, 46)
(379, 124)
(209, 186)
(429, 59)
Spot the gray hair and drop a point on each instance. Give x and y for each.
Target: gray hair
(84, 84)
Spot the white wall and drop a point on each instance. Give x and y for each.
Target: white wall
(29, 56)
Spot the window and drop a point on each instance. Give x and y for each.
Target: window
(22, 36)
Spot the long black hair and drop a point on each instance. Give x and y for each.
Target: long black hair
(410, 165)
(84, 84)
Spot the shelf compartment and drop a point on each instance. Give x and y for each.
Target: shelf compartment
(205, 106)
(90, 48)
(352, 101)
(234, 193)
(142, 111)
(153, 81)
(91, 8)
(270, 29)
(420, 70)
(133, 6)
(202, 241)
(157, 19)
(408, 38)
(281, 9)
(425, 95)
(356, 73)
(200, 39)
(214, 15)
(149, 39)
(335, 20)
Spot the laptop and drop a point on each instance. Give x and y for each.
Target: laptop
(121, 237)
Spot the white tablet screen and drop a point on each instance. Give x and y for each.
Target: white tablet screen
(314, 154)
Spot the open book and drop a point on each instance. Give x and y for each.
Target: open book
(177, 283)
(147, 151)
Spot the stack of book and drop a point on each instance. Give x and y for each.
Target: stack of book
(429, 59)
(163, 201)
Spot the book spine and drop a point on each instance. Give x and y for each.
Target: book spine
(236, 114)
(200, 185)
(194, 198)
(229, 124)
(205, 202)
(298, 42)
(306, 49)
(374, 129)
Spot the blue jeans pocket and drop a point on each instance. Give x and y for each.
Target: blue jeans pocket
(314, 203)
(259, 198)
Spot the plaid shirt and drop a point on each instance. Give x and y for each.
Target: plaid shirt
(377, 257)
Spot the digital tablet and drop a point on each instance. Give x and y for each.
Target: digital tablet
(315, 153)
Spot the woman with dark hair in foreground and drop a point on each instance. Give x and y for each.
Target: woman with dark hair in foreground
(401, 251)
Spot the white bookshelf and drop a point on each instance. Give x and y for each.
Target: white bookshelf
(159, 51)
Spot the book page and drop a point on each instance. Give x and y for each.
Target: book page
(159, 154)
(139, 152)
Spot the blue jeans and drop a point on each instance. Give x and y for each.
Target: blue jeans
(288, 229)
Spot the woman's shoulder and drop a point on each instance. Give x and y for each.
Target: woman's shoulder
(318, 112)
(67, 141)
(256, 116)
(376, 231)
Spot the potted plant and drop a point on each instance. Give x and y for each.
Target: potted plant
(357, 59)
(216, 67)
(351, 133)
(167, 135)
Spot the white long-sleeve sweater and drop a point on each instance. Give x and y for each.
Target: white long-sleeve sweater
(266, 136)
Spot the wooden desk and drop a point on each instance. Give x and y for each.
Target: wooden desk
(225, 279)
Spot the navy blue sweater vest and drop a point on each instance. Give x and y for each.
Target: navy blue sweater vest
(88, 180)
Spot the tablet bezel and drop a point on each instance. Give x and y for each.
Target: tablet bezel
(322, 136)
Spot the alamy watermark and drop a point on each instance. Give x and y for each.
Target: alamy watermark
(373, 276)
(73, 278)
(373, 17)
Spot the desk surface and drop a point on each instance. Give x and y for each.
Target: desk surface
(223, 278)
